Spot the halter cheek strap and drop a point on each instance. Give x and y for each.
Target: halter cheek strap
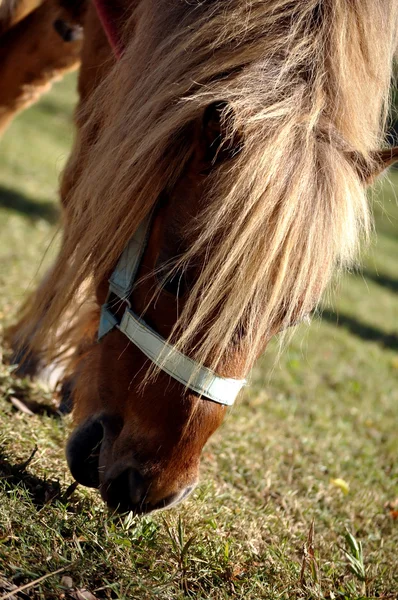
(198, 378)
(182, 368)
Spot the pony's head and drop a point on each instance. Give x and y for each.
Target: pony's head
(141, 433)
(249, 129)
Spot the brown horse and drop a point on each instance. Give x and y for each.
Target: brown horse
(247, 130)
(40, 41)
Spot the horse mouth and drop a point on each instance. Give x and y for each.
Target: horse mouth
(139, 506)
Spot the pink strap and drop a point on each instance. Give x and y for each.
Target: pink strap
(109, 17)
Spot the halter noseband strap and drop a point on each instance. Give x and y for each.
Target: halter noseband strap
(200, 379)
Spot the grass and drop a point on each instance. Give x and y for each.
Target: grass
(298, 488)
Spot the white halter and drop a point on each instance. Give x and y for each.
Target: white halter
(182, 368)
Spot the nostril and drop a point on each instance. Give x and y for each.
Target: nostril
(82, 452)
(126, 492)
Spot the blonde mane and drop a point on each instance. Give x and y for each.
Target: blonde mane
(308, 85)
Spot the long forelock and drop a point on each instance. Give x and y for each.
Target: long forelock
(308, 85)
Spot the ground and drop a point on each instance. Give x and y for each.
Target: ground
(299, 487)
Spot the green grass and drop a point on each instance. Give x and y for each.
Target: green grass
(327, 411)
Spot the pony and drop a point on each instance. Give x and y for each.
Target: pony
(245, 132)
(40, 41)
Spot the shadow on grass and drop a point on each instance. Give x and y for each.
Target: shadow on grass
(362, 330)
(41, 491)
(32, 209)
(383, 280)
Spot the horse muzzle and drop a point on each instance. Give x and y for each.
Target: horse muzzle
(122, 484)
